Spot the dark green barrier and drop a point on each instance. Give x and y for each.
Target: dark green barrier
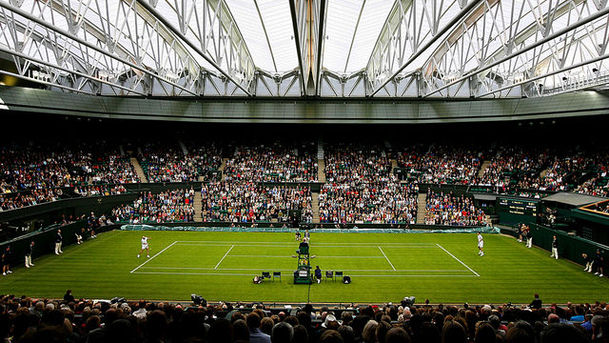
(45, 240)
(157, 187)
(569, 247)
(74, 206)
(188, 227)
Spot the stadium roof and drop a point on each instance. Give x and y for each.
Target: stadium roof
(573, 199)
(338, 48)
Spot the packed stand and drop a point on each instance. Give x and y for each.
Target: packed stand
(80, 320)
(561, 173)
(168, 206)
(275, 162)
(30, 198)
(361, 187)
(357, 163)
(448, 209)
(170, 163)
(598, 182)
(440, 164)
(60, 165)
(247, 202)
(376, 203)
(510, 164)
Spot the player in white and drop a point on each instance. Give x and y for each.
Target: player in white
(480, 244)
(144, 247)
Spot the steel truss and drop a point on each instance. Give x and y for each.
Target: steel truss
(507, 49)
(308, 22)
(426, 48)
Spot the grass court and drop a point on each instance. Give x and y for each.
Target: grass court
(445, 268)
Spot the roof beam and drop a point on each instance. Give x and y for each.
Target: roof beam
(67, 34)
(178, 33)
(359, 17)
(308, 23)
(51, 65)
(266, 35)
(542, 41)
(436, 34)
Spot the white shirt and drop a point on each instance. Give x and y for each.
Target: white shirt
(480, 241)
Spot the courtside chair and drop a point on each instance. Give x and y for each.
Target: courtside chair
(266, 275)
(277, 274)
(329, 274)
(338, 275)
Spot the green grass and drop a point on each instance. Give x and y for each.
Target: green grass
(200, 262)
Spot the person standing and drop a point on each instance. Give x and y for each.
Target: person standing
(529, 237)
(554, 248)
(28, 255)
(480, 244)
(318, 274)
(598, 263)
(6, 257)
(58, 242)
(144, 247)
(587, 262)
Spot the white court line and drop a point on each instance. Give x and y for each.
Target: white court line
(150, 259)
(387, 258)
(223, 257)
(316, 243)
(293, 245)
(357, 275)
(317, 256)
(458, 260)
(291, 270)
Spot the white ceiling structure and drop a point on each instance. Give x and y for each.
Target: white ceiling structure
(309, 48)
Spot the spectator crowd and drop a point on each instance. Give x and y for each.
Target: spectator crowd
(449, 209)
(75, 320)
(168, 206)
(362, 178)
(274, 162)
(377, 203)
(249, 202)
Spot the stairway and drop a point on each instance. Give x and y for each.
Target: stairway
(321, 171)
(321, 165)
(138, 170)
(315, 207)
(394, 164)
(421, 208)
(183, 148)
(222, 167)
(198, 205)
(483, 168)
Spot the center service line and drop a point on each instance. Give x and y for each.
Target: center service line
(458, 260)
(223, 257)
(391, 264)
(150, 259)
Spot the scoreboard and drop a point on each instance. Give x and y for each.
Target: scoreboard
(519, 207)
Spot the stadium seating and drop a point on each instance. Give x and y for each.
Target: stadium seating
(80, 320)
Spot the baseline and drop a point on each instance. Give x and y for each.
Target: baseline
(458, 260)
(150, 259)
